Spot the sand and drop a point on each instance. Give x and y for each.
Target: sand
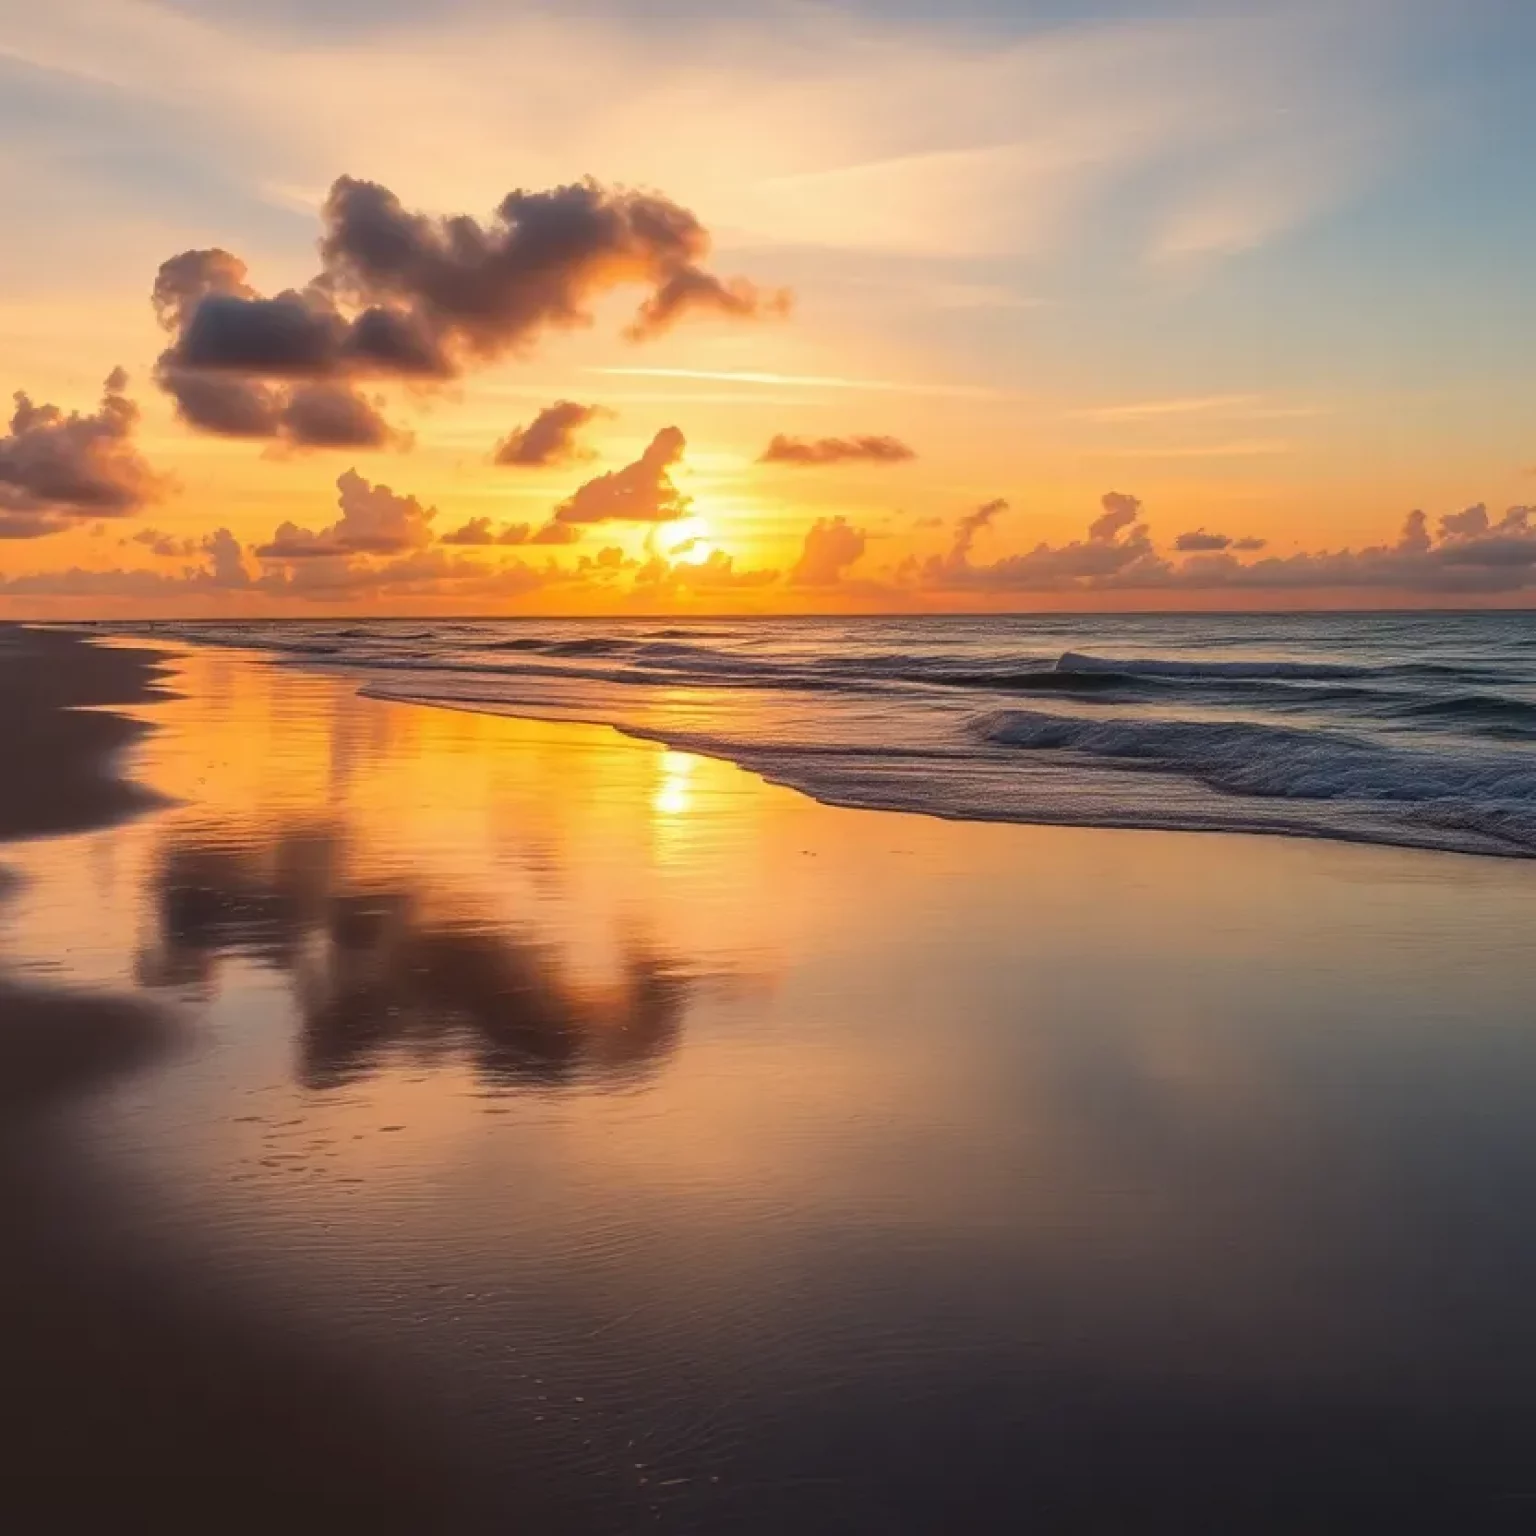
(133, 1391)
(473, 1113)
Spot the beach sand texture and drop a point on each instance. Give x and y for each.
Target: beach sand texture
(449, 1119)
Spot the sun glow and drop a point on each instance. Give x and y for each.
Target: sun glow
(691, 543)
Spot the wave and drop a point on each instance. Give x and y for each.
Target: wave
(1275, 761)
(1078, 661)
(1494, 713)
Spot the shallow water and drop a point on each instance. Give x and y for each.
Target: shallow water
(723, 1162)
(1411, 729)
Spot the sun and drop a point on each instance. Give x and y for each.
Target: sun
(690, 543)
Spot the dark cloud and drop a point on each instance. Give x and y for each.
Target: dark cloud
(1198, 541)
(1468, 524)
(832, 544)
(407, 296)
(835, 450)
(374, 521)
(550, 438)
(165, 545)
(320, 413)
(294, 336)
(541, 262)
(232, 407)
(1120, 511)
(57, 469)
(480, 532)
(336, 416)
(641, 492)
(184, 281)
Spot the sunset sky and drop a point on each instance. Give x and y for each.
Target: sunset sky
(765, 307)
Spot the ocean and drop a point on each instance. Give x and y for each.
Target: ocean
(1417, 729)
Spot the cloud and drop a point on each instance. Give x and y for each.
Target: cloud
(407, 296)
(716, 573)
(1469, 554)
(425, 573)
(223, 570)
(1120, 511)
(835, 450)
(1103, 555)
(641, 492)
(1199, 540)
(691, 291)
(57, 469)
(479, 532)
(336, 416)
(244, 366)
(374, 520)
(550, 438)
(832, 545)
(165, 545)
(972, 524)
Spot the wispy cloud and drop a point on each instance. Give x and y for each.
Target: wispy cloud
(1241, 448)
(825, 129)
(1248, 407)
(808, 381)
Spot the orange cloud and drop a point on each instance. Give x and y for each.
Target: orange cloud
(836, 450)
(550, 438)
(832, 545)
(642, 492)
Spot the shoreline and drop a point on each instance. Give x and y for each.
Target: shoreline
(1004, 758)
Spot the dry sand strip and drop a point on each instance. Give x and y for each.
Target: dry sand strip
(132, 1393)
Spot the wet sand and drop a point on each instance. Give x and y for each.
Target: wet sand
(134, 1390)
(504, 1119)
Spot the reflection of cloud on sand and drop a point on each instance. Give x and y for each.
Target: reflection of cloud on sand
(381, 970)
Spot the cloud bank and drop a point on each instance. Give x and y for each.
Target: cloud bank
(1469, 553)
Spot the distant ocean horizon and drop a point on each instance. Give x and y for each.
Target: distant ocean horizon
(1414, 728)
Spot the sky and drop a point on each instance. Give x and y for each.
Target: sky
(333, 307)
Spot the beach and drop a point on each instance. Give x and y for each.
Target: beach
(451, 1118)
